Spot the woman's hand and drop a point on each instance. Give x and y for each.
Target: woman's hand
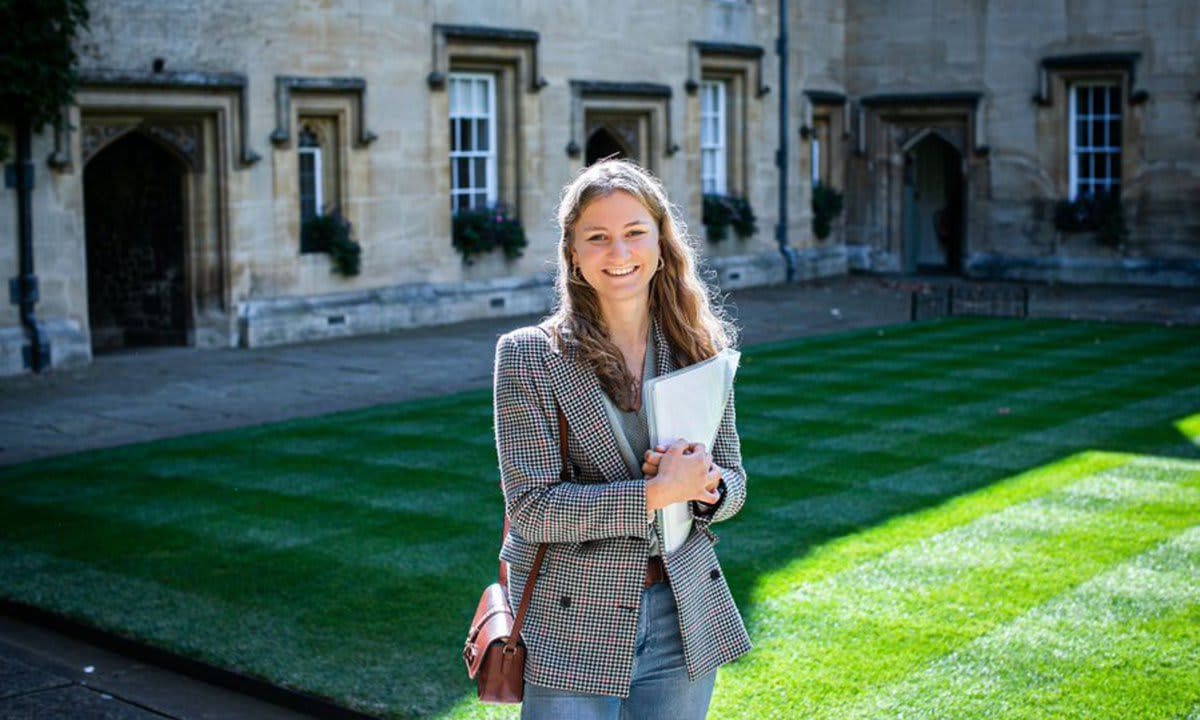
(650, 461)
(654, 456)
(680, 472)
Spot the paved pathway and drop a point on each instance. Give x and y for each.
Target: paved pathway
(142, 395)
(145, 395)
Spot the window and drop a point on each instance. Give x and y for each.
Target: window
(317, 162)
(1094, 138)
(1090, 129)
(826, 132)
(820, 144)
(311, 200)
(816, 160)
(488, 78)
(727, 77)
(472, 140)
(713, 167)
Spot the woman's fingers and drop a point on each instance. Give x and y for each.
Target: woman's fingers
(650, 463)
(714, 479)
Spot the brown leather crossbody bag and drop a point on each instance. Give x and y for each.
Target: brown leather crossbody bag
(494, 652)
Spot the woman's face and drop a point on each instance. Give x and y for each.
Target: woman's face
(615, 247)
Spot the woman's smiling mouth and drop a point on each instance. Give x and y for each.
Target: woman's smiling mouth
(621, 272)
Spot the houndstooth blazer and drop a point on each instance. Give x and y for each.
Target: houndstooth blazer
(582, 621)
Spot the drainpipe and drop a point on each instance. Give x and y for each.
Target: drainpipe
(781, 47)
(23, 289)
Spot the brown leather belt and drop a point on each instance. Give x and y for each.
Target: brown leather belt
(656, 572)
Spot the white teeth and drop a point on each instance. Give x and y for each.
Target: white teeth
(619, 273)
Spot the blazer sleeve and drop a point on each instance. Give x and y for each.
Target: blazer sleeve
(727, 454)
(539, 504)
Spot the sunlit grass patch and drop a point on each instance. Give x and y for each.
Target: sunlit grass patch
(1034, 589)
(1190, 428)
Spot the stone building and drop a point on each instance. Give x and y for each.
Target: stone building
(205, 133)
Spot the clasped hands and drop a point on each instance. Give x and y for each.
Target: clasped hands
(679, 472)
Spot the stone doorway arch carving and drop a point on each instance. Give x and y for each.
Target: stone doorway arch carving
(193, 142)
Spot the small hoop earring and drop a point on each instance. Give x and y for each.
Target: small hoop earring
(576, 274)
(661, 264)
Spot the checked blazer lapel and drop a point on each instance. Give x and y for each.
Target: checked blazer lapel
(579, 394)
(665, 358)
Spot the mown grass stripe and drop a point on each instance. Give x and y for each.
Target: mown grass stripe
(873, 621)
(1123, 644)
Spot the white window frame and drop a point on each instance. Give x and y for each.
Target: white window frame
(815, 145)
(714, 169)
(461, 88)
(313, 151)
(1076, 148)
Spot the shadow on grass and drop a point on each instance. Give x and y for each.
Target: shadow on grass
(344, 555)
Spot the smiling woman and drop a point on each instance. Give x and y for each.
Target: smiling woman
(615, 627)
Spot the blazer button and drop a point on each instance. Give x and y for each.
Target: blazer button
(565, 602)
(715, 574)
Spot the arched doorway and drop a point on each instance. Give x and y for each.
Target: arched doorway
(933, 205)
(616, 133)
(602, 144)
(133, 208)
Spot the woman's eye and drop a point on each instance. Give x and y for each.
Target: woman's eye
(595, 238)
(635, 233)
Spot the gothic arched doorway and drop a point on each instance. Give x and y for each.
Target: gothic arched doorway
(603, 144)
(134, 215)
(933, 205)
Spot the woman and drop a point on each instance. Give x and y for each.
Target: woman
(615, 628)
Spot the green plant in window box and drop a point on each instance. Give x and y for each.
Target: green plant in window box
(332, 233)
(826, 205)
(722, 212)
(482, 230)
(1100, 213)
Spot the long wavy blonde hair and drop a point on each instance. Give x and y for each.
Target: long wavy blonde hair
(696, 326)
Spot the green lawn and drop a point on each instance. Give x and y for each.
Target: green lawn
(950, 519)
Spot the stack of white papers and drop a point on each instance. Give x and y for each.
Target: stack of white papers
(688, 404)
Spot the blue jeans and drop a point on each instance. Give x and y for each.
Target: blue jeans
(661, 689)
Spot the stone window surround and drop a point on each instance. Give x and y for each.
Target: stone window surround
(1056, 75)
(1055, 67)
(650, 99)
(738, 66)
(509, 54)
(339, 162)
(293, 89)
(832, 109)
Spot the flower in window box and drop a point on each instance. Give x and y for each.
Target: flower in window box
(722, 212)
(332, 233)
(826, 205)
(481, 230)
(1099, 212)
